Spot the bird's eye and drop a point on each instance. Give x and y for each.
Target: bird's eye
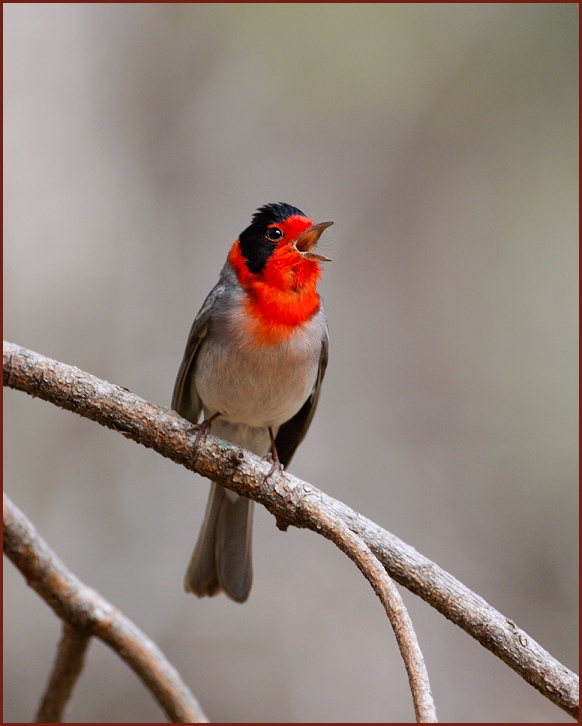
(274, 233)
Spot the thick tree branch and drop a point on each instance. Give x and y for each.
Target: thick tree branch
(292, 502)
(87, 612)
(65, 672)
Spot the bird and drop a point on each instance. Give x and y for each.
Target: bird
(253, 366)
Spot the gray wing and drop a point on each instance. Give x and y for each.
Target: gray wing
(185, 399)
(292, 432)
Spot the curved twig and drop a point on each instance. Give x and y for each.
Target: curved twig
(384, 587)
(65, 672)
(85, 610)
(164, 431)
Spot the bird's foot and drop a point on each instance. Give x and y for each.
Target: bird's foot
(201, 430)
(273, 457)
(275, 466)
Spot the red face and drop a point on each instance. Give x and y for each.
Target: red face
(290, 229)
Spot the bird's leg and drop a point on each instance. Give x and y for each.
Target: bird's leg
(202, 430)
(273, 455)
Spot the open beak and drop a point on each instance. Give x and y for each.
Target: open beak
(307, 241)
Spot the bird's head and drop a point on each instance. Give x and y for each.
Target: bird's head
(276, 264)
(280, 233)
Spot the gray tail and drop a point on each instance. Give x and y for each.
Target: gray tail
(222, 557)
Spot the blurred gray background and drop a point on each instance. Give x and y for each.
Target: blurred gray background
(442, 139)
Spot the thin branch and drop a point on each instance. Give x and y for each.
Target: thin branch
(65, 672)
(87, 611)
(384, 587)
(292, 502)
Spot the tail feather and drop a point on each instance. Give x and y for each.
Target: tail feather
(234, 547)
(222, 558)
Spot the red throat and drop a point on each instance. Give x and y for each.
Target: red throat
(282, 296)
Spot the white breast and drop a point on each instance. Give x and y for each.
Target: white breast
(256, 387)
